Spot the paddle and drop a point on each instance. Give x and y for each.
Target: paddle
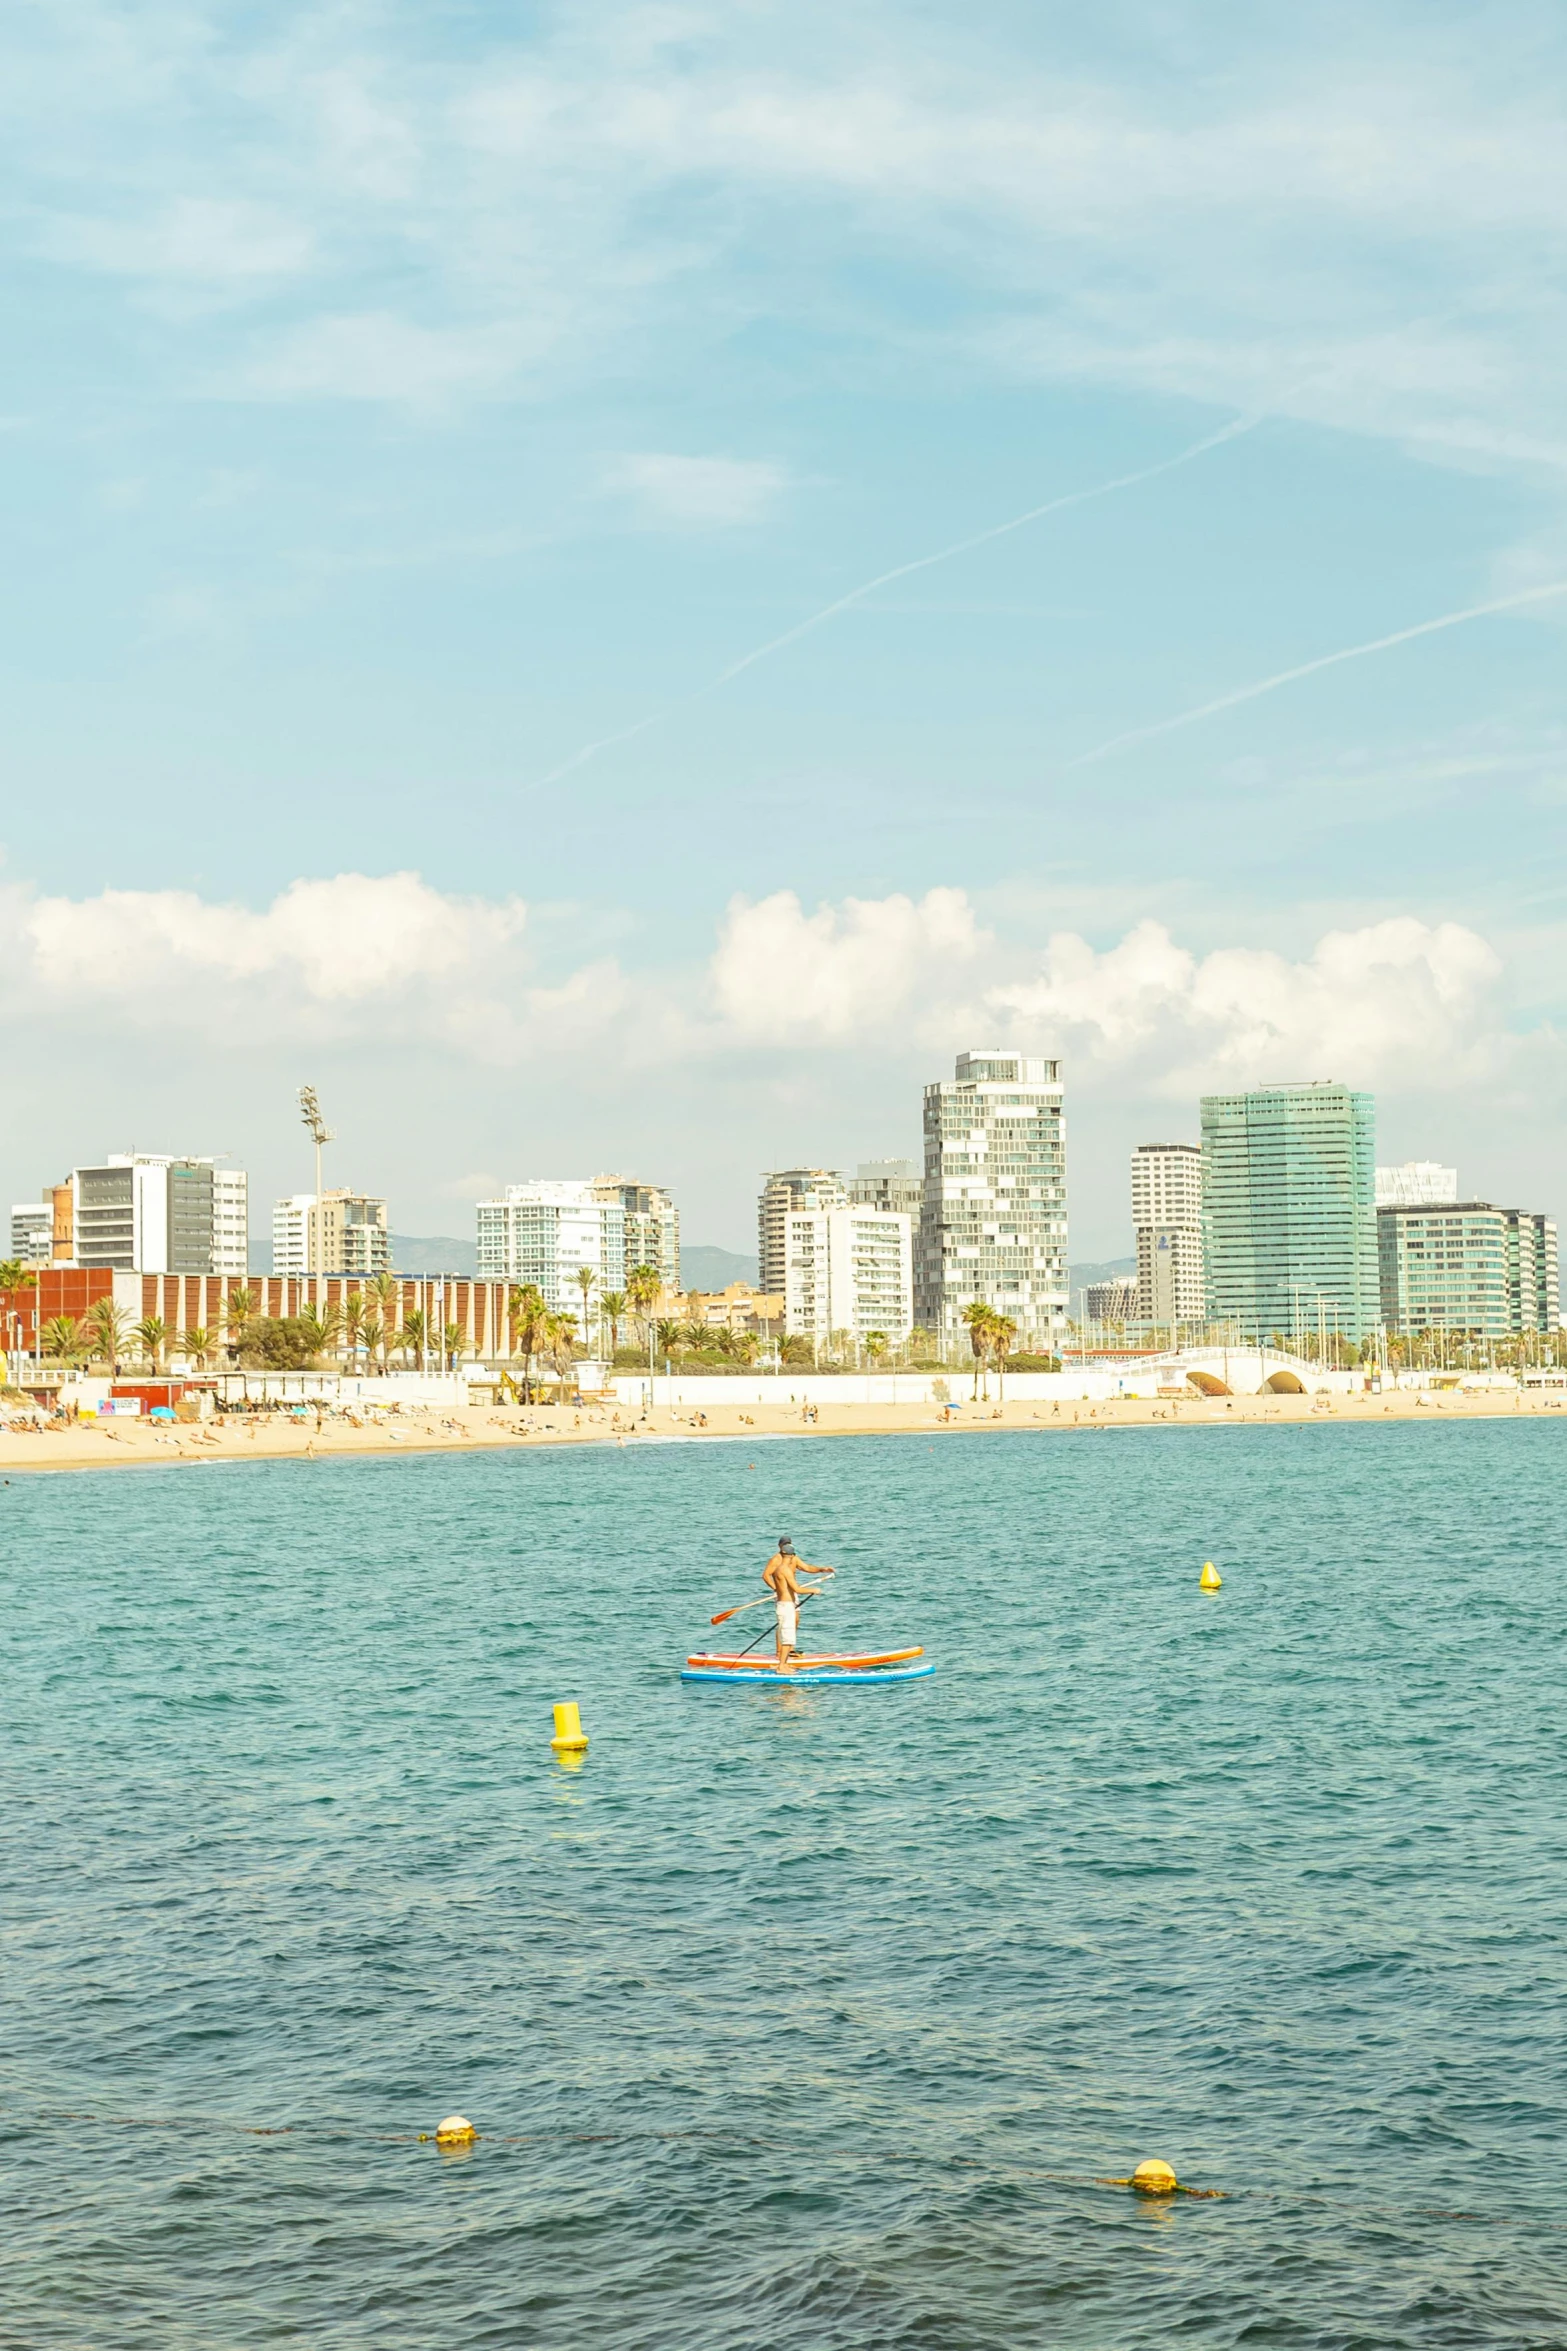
(769, 1600)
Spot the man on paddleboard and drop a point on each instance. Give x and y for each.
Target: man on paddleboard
(780, 1576)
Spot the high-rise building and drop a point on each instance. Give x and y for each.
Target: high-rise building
(1289, 1214)
(544, 1232)
(32, 1231)
(1167, 1219)
(784, 1193)
(993, 1216)
(652, 1225)
(850, 1270)
(1468, 1266)
(137, 1213)
(894, 1184)
(334, 1232)
(1414, 1183)
(1111, 1301)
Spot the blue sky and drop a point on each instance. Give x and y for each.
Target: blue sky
(399, 401)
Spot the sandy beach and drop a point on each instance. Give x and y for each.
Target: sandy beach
(244, 1437)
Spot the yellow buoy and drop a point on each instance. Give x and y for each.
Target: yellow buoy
(1210, 1580)
(455, 2131)
(570, 1737)
(1153, 2178)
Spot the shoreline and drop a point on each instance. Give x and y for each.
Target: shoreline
(488, 1428)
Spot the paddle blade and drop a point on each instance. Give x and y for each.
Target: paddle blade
(724, 1615)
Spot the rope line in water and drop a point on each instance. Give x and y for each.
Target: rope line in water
(360, 2135)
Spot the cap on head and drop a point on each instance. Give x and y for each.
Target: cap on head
(784, 1543)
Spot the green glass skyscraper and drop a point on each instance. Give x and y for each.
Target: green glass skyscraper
(1289, 1210)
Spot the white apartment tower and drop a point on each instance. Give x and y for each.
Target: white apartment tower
(652, 1226)
(32, 1231)
(850, 1270)
(993, 1219)
(545, 1232)
(1167, 1218)
(898, 1184)
(138, 1213)
(784, 1193)
(331, 1232)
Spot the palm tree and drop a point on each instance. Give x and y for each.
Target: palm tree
(198, 1345)
(586, 1280)
(369, 1334)
(644, 1287)
(875, 1346)
(561, 1335)
(667, 1336)
(353, 1313)
(979, 1318)
(1003, 1331)
(612, 1305)
(412, 1335)
(63, 1338)
(107, 1324)
(14, 1275)
(528, 1314)
(451, 1345)
(387, 1292)
(323, 1326)
(153, 1333)
(238, 1316)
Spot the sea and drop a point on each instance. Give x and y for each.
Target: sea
(791, 2019)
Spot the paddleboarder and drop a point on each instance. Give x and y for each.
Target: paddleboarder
(780, 1575)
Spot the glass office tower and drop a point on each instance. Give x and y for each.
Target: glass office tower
(1289, 1211)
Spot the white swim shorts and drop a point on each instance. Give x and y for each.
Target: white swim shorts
(788, 1622)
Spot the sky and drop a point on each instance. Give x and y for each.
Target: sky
(612, 586)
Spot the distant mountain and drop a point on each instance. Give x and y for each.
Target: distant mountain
(714, 1269)
(433, 1254)
(1106, 1269)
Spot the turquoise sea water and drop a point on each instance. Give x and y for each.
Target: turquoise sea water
(791, 2019)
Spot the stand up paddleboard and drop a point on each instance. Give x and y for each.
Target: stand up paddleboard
(848, 1657)
(818, 1675)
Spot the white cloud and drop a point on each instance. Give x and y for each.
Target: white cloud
(701, 490)
(781, 976)
(193, 239)
(375, 355)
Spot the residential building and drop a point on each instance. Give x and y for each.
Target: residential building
(895, 1184)
(137, 1213)
(230, 1222)
(740, 1307)
(1415, 1183)
(1289, 1220)
(544, 1232)
(993, 1216)
(652, 1225)
(1167, 1220)
(1467, 1266)
(784, 1193)
(32, 1231)
(851, 1270)
(1113, 1301)
(337, 1232)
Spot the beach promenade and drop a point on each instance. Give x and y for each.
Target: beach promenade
(277, 1436)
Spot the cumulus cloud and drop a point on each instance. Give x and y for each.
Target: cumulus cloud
(697, 490)
(781, 976)
(1394, 1003)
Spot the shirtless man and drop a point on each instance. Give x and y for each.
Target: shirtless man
(779, 1575)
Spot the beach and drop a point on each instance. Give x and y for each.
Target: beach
(88, 1444)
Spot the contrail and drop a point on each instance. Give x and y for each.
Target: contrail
(901, 571)
(1306, 669)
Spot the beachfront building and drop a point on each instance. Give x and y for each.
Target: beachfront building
(1416, 1183)
(993, 1208)
(848, 1270)
(786, 1192)
(738, 1307)
(1114, 1301)
(1467, 1266)
(1167, 1220)
(32, 1231)
(544, 1232)
(1289, 1219)
(894, 1184)
(137, 1213)
(652, 1225)
(331, 1232)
